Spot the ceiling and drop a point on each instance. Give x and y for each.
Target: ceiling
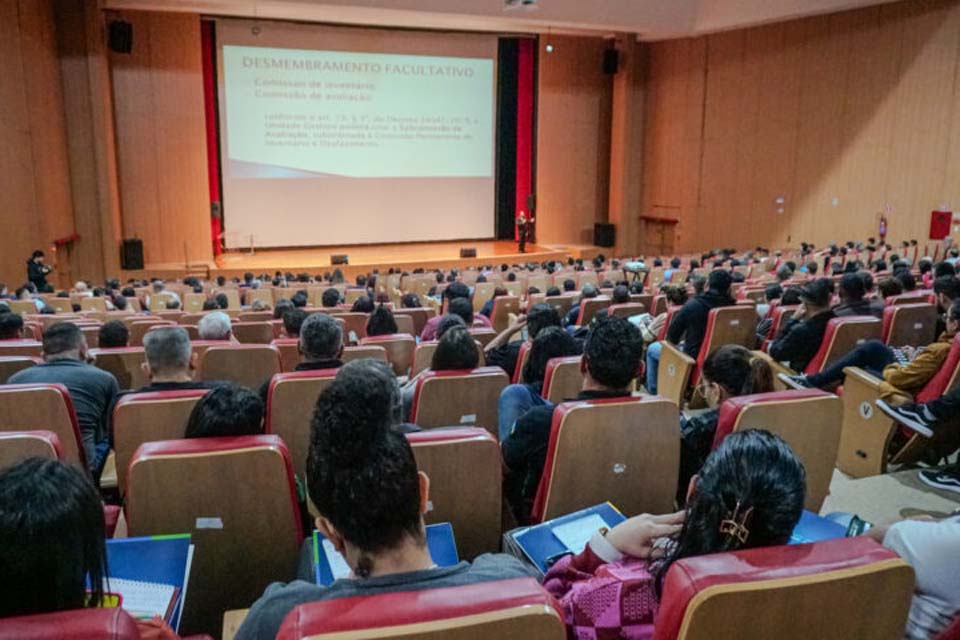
(650, 19)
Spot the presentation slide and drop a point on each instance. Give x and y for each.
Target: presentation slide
(356, 144)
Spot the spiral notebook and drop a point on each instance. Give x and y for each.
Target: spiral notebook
(145, 599)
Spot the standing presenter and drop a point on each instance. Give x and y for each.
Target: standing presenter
(524, 230)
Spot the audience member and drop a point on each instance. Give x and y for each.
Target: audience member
(611, 355)
(226, 411)
(113, 334)
(93, 391)
(728, 372)
(292, 321)
(381, 322)
(800, 339)
(170, 363)
(11, 326)
(852, 301)
(690, 323)
(215, 326)
(363, 304)
(502, 352)
(456, 350)
(749, 494)
(573, 316)
(487, 309)
(410, 301)
(452, 292)
(363, 479)
(52, 543)
(516, 399)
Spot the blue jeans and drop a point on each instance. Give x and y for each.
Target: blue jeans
(872, 356)
(653, 364)
(515, 400)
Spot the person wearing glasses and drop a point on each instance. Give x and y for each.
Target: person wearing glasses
(730, 371)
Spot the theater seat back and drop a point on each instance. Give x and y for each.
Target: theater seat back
(483, 336)
(622, 450)
(516, 609)
(422, 356)
(248, 365)
(458, 398)
(810, 421)
(237, 498)
(522, 355)
(291, 401)
(374, 351)
(139, 329)
(419, 315)
(562, 380)
(909, 324)
(626, 309)
(841, 337)
(781, 315)
(47, 407)
(727, 325)
(503, 306)
(28, 348)
(253, 332)
(149, 417)
(589, 308)
(832, 590)
(79, 624)
(465, 477)
(562, 303)
(399, 348)
(10, 365)
(17, 445)
(125, 363)
(289, 349)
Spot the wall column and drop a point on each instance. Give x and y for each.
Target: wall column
(626, 144)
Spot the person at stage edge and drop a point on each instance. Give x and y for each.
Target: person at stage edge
(524, 230)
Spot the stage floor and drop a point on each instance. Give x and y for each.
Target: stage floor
(364, 258)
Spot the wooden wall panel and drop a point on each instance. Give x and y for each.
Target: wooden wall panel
(34, 171)
(573, 140)
(839, 114)
(161, 148)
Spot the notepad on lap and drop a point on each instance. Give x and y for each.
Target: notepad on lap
(145, 599)
(576, 534)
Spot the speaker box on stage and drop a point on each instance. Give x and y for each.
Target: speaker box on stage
(120, 36)
(611, 61)
(339, 258)
(131, 254)
(468, 252)
(604, 234)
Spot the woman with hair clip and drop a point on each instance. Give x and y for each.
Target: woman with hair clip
(728, 372)
(52, 547)
(381, 322)
(749, 494)
(363, 479)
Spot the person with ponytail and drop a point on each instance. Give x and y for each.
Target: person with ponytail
(363, 479)
(749, 494)
(730, 371)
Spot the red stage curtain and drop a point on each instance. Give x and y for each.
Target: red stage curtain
(209, 44)
(524, 124)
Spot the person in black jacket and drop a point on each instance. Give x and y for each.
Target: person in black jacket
(37, 271)
(852, 301)
(690, 323)
(800, 339)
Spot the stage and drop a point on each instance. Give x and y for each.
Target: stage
(365, 258)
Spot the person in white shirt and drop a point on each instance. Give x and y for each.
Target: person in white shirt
(933, 550)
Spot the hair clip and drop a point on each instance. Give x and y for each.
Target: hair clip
(736, 524)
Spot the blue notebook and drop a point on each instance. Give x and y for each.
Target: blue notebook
(329, 566)
(162, 560)
(813, 528)
(566, 534)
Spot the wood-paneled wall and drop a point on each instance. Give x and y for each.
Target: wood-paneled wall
(34, 171)
(573, 140)
(840, 115)
(161, 148)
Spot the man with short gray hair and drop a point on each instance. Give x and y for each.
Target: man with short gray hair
(215, 326)
(170, 361)
(321, 343)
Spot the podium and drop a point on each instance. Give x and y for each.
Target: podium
(657, 235)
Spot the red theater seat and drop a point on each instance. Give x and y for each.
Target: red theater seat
(868, 432)
(522, 356)
(291, 401)
(399, 347)
(517, 609)
(125, 363)
(909, 324)
(833, 590)
(237, 498)
(625, 450)
(589, 308)
(563, 379)
(25, 407)
(458, 398)
(809, 421)
(248, 365)
(29, 348)
(626, 309)
(10, 365)
(503, 306)
(79, 624)
(17, 445)
(465, 477)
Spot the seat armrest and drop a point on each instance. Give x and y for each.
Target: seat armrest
(674, 373)
(867, 431)
(777, 369)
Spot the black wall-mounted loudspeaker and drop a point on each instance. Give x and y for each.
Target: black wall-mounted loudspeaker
(604, 234)
(120, 36)
(531, 202)
(131, 254)
(611, 61)
(468, 252)
(339, 258)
